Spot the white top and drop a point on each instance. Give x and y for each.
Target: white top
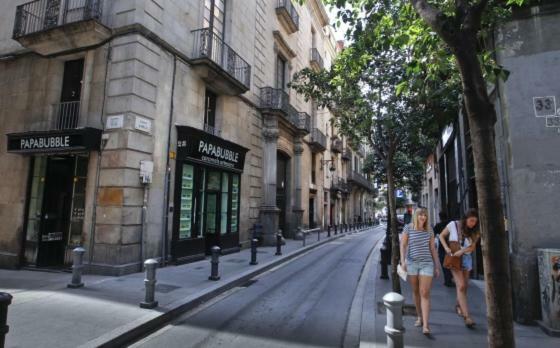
(454, 234)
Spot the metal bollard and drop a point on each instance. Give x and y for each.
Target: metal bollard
(215, 262)
(335, 231)
(254, 242)
(5, 301)
(329, 231)
(77, 267)
(394, 328)
(150, 284)
(318, 235)
(279, 243)
(304, 238)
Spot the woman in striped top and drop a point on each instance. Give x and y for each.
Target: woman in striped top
(420, 259)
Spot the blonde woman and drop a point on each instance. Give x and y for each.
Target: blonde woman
(420, 259)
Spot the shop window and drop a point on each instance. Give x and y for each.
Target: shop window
(234, 226)
(185, 216)
(224, 204)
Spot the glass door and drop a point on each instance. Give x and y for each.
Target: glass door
(211, 209)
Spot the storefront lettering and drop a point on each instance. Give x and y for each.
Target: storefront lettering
(217, 152)
(45, 143)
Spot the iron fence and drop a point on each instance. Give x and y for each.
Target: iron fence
(290, 9)
(40, 15)
(210, 45)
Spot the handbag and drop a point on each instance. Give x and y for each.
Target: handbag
(401, 272)
(453, 262)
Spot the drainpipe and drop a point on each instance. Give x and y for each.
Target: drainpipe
(167, 179)
(99, 157)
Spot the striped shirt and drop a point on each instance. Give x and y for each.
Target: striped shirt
(418, 244)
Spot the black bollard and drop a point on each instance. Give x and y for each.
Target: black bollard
(335, 231)
(5, 301)
(214, 273)
(279, 243)
(329, 231)
(254, 242)
(318, 235)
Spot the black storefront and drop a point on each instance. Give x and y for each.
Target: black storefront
(207, 194)
(55, 202)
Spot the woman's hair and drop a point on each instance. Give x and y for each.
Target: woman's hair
(415, 223)
(465, 230)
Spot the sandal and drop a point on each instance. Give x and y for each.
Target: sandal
(458, 310)
(469, 323)
(427, 332)
(418, 322)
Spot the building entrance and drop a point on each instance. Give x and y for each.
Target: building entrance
(55, 209)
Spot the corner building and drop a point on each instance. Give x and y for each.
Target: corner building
(157, 129)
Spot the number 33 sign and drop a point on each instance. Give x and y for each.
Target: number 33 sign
(544, 106)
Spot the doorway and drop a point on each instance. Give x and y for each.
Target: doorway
(311, 213)
(281, 189)
(55, 217)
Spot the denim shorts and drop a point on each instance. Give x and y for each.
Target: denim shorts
(467, 262)
(422, 268)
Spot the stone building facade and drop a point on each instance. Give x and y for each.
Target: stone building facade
(154, 128)
(527, 131)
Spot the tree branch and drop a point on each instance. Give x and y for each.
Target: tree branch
(473, 20)
(435, 19)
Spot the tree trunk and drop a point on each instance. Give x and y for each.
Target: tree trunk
(495, 252)
(395, 252)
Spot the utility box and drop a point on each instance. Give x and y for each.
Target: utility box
(549, 276)
(146, 171)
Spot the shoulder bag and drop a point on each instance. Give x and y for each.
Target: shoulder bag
(453, 262)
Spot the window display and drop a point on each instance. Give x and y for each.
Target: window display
(186, 202)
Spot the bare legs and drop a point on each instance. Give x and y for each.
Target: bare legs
(421, 287)
(462, 284)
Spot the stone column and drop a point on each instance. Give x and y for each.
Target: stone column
(269, 211)
(298, 209)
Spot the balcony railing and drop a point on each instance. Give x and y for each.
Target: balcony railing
(40, 15)
(288, 15)
(316, 60)
(277, 100)
(360, 180)
(212, 130)
(336, 145)
(66, 115)
(209, 45)
(339, 184)
(318, 140)
(347, 154)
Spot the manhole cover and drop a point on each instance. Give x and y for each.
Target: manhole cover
(165, 288)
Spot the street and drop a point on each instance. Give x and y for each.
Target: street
(305, 302)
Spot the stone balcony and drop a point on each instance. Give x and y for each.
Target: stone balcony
(277, 101)
(357, 179)
(219, 65)
(288, 16)
(347, 154)
(336, 145)
(53, 26)
(316, 61)
(317, 141)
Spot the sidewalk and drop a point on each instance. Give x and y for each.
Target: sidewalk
(106, 312)
(447, 328)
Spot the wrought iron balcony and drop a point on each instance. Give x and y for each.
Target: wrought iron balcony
(340, 185)
(61, 116)
(277, 101)
(288, 15)
(219, 65)
(52, 26)
(347, 154)
(317, 141)
(360, 180)
(336, 145)
(316, 61)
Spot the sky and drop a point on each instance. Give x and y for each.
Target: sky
(338, 32)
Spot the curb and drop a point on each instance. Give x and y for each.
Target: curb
(135, 330)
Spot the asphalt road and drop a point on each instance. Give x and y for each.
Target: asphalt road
(305, 302)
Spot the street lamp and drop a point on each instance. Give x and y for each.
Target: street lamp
(331, 168)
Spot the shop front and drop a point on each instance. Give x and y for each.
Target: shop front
(56, 193)
(207, 194)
